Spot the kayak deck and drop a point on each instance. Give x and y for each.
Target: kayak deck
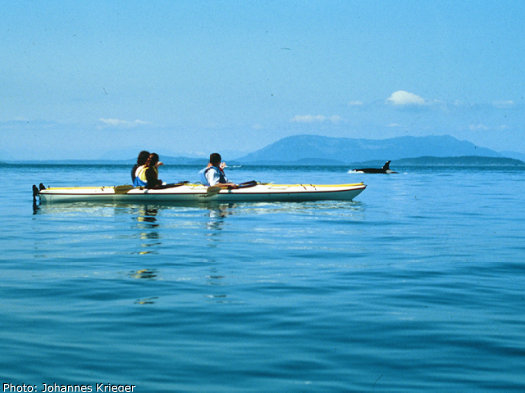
(200, 193)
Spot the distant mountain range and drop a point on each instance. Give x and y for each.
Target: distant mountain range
(321, 150)
(464, 161)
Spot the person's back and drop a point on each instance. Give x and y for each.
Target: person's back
(140, 177)
(213, 174)
(141, 160)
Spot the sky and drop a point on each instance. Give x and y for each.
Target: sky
(106, 79)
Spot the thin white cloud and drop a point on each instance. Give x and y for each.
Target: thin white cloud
(484, 127)
(478, 127)
(122, 123)
(405, 98)
(308, 118)
(315, 119)
(503, 104)
(355, 103)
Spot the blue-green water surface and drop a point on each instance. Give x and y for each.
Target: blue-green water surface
(417, 285)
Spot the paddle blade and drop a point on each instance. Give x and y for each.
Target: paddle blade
(123, 189)
(213, 190)
(173, 185)
(247, 184)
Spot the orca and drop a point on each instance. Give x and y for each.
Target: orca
(385, 169)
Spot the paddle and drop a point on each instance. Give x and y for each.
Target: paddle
(214, 190)
(125, 188)
(172, 185)
(251, 183)
(35, 194)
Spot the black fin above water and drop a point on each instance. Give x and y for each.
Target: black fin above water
(384, 169)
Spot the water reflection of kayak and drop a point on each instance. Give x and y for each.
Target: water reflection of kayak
(254, 192)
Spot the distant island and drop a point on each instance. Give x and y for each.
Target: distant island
(465, 161)
(305, 150)
(345, 151)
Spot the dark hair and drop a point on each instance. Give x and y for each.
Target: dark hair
(215, 158)
(143, 156)
(154, 158)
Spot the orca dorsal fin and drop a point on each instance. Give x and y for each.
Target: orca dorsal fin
(387, 165)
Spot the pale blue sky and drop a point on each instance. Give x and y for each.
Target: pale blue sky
(108, 78)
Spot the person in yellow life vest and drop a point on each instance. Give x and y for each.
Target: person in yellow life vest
(148, 175)
(141, 160)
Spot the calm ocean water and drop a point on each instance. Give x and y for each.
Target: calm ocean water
(418, 285)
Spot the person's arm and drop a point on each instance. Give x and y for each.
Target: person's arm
(227, 185)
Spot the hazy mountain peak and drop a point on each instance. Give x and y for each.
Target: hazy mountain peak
(347, 150)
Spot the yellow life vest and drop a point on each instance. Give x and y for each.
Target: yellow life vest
(142, 173)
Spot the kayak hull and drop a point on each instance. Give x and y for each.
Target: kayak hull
(200, 193)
